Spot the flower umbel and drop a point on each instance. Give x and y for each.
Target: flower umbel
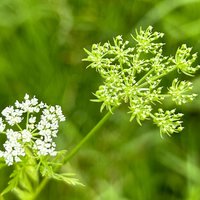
(133, 75)
(29, 125)
(169, 122)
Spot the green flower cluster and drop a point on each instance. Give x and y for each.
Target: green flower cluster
(133, 75)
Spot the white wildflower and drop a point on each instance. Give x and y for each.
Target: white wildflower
(32, 120)
(38, 133)
(2, 125)
(26, 136)
(59, 113)
(13, 151)
(12, 116)
(45, 148)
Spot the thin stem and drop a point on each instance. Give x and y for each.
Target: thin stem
(122, 70)
(74, 151)
(27, 118)
(19, 127)
(40, 187)
(157, 77)
(87, 137)
(144, 77)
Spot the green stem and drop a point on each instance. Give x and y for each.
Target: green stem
(27, 118)
(144, 77)
(74, 151)
(19, 127)
(157, 77)
(87, 137)
(40, 187)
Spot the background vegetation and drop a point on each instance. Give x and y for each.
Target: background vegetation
(41, 48)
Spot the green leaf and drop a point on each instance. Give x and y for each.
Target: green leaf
(23, 194)
(46, 170)
(25, 183)
(24, 178)
(13, 182)
(67, 178)
(58, 159)
(32, 174)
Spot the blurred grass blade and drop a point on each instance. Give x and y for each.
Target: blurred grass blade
(161, 9)
(186, 168)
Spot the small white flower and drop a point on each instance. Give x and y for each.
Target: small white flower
(30, 127)
(26, 136)
(13, 149)
(17, 104)
(42, 105)
(32, 120)
(26, 97)
(45, 148)
(13, 135)
(52, 109)
(34, 101)
(2, 125)
(12, 116)
(8, 158)
(59, 113)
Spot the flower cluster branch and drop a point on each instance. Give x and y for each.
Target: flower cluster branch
(133, 75)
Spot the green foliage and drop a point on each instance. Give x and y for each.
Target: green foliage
(23, 180)
(67, 178)
(48, 166)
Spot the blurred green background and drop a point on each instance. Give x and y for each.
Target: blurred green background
(41, 48)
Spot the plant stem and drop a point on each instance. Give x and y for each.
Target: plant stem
(144, 77)
(157, 77)
(74, 151)
(40, 187)
(87, 137)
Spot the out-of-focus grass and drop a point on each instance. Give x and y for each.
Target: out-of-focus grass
(41, 47)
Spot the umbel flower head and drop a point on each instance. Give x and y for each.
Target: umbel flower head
(133, 75)
(29, 125)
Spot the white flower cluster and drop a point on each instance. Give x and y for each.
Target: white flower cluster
(36, 125)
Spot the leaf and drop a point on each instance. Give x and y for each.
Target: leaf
(27, 182)
(12, 183)
(67, 178)
(58, 159)
(23, 179)
(46, 170)
(32, 174)
(23, 194)
(49, 164)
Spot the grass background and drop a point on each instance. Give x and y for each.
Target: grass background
(41, 48)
